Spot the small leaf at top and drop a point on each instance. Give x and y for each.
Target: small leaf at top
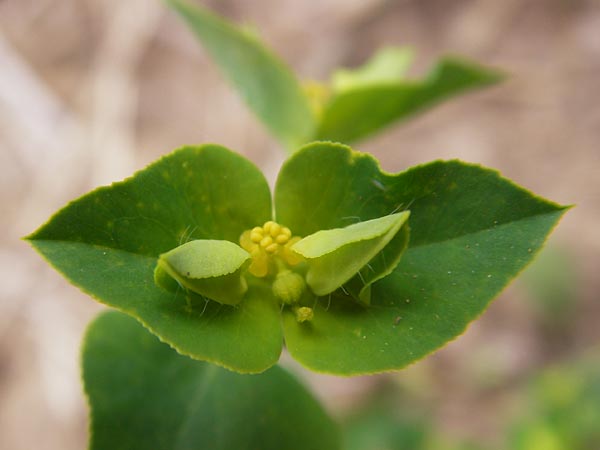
(389, 64)
(355, 113)
(145, 396)
(335, 256)
(208, 267)
(267, 85)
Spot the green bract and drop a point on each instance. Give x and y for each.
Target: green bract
(206, 267)
(335, 256)
(190, 248)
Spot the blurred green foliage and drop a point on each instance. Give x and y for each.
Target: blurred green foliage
(563, 408)
(558, 409)
(353, 105)
(551, 283)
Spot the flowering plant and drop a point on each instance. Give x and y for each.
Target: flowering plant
(195, 249)
(355, 270)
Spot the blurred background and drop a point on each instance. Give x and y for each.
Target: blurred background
(92, 90)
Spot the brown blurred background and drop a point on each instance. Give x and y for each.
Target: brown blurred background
(91, 90)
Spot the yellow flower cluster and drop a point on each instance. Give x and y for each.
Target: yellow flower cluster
(267, 246)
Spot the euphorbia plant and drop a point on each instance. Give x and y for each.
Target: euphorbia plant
(194, 248)
(353, 269)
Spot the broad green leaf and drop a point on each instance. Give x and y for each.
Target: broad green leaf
(267, 85)
(356, 113)
(208, 267)
(334, 256)
(145, 396)
(472, 231)
(389, 64)
(108, 242)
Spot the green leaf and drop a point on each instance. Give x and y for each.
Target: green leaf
(267, 85)
(207, 267)
(108, 243)
(336, 255)
(472, 231)
(355, 113)
(358, 103)
(389, 64)
(145, 396)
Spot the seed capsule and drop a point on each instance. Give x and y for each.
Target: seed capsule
(288, 287)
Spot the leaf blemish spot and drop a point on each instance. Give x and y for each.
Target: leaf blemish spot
(378, 184)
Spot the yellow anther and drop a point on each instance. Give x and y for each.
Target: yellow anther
(267, 226)
(275, 229)
(272, 248)
(266, 241)
(246, 241)
(269, 248)
(260, 264)
(282, 238)
(289, 255)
